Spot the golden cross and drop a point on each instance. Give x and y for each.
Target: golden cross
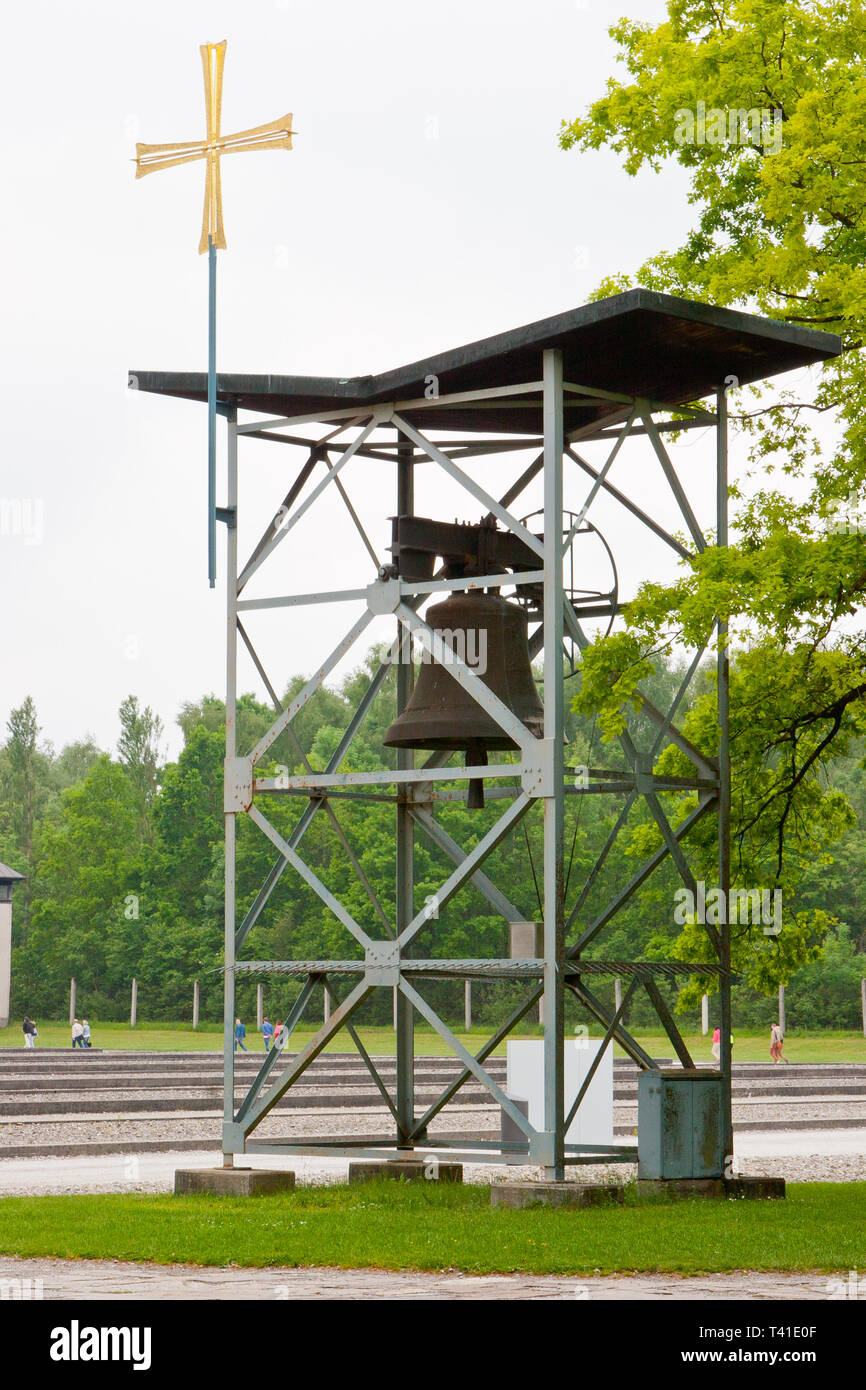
(277, 135)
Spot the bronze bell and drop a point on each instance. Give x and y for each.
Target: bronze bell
(489, 634)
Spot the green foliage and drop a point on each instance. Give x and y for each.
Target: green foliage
(779, 229)
(89, 873)
(114, 898)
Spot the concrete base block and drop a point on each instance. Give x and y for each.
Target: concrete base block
(681, 1187)
(554, 1194)
(232, 1182)
(712, 1187)
(756, 1187)
(408, 1169)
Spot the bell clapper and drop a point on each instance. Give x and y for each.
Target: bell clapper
(476, 756)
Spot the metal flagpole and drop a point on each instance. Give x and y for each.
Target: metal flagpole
(211, 413)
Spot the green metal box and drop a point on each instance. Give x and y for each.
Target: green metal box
(680, 1124)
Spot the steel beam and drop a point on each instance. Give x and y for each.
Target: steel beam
(466, 1056)
(602, 1048)
(724, 826)
(291, 521)
(673, 479)
(554, 800)
(230, 827)
(485, 886)
(631, 506)
(304, 1059)
(478, 492)
(404, 1019)
(637, 880)
(294, 1017)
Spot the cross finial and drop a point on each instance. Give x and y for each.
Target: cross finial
(277, 135)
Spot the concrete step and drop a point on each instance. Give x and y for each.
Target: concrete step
(20, 1060)
(624, 1092)
(127, 1065)
(193, 1059)
(28, 1085)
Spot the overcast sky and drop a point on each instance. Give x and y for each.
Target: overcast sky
(426, 204)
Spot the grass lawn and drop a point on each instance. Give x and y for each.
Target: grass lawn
(391, 1225)
(171, 1037)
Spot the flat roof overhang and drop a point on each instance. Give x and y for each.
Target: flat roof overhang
(638, 344)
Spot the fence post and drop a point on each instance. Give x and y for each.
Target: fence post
(705, 1014)
(195, 1003)
(782, 1009)
(260, 1006)
(133, 1011)
(467, 1005)
(72, 990)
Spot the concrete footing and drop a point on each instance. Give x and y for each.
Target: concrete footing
(408, 1169)
(755, 1187)
(232, 1182)
(554, 1194)
(752, 1187)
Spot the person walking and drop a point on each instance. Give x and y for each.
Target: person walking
(85, 1033)
(28, 1028)
(77, 1034)
(717, 1043)
(777, 1042)
(278, 1028)
(267, 1034)
(240, 1034)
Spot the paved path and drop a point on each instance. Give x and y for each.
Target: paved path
(98, 1280)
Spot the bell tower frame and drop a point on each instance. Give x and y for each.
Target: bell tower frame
(532, 405)
(539, 774)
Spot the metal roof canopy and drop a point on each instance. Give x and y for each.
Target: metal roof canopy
(639, 344)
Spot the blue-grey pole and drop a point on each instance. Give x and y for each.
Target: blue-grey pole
(211, 413)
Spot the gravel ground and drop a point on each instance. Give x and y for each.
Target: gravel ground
(83, 1129)
(319, 1123)
(796, 1156)
(154, 1173)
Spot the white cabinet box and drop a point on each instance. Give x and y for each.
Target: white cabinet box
(593, 1123)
